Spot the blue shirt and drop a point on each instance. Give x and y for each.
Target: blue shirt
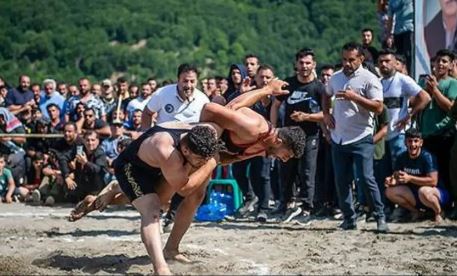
(55, 98)
(424, 164)
(404, 15)
(18, 97)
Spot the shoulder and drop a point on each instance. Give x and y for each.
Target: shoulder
(200, 96)
(7, 172)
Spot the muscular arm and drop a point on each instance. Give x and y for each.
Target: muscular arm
(430, 180)
(160, 152)
(274, 87)
(246, 126)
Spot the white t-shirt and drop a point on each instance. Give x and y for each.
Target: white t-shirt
(171, 107)
(397, 90)
(137, 103)
(352, 121)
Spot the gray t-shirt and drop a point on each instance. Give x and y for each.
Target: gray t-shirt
(352, 121)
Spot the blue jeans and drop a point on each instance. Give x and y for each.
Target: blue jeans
(394, 147)
(360, 155)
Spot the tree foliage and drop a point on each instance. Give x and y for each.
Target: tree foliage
(102, 38)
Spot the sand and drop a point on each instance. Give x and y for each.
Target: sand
(39, 240)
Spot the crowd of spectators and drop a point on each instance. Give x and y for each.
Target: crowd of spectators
(371, 129)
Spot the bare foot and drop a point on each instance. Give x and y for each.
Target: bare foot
(438, 219)
(106, 196)
(163, 271)
(83, 207)
(176, 256)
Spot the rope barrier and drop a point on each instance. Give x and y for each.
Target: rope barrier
(30, 135)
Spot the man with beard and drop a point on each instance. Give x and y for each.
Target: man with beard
(303, 109)
(87, 98)
(358, 97)
(181, 102)
(398, 90)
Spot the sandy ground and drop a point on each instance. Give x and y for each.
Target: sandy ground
(39, 240)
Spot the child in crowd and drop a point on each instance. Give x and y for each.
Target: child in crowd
(7, 186)
(414, 184)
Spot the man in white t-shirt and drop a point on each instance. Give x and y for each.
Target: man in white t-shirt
(141, 101)
(398, 89)
(181, 102)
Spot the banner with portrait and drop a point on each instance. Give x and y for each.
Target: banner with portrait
(435, 29)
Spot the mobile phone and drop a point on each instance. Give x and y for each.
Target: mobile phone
(79, 150)
(423, 77)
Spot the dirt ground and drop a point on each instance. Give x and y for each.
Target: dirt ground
(39, 240)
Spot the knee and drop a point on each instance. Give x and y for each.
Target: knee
(391, 193)
(426, 193)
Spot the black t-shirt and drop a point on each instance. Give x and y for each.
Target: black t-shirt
(304, 97)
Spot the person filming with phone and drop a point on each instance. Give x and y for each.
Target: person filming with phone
(87, 165)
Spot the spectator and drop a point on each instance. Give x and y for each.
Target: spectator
(303, 109)
(108, 98)
(34, 177)
(453, 166)
(371, 53)
(398, 89)
(252, 63)
(109, 146)
(153, 83)
(123, 96)
(51, 186)
(402, 13)
(185, 106)
(212, 87)
(437, 128)
(73, 91)
(36, 90)
(134, 129)
(3, 92)
(50, 96)
(63, 89)
(55, 123)
(96, 89)
(358, 96)
(141, 101)
(222, 84)
(326, 73)
(20, 100)
(86, 98)
(255, 183)
(204, 84)
(400, 65)
(13, 146)
(415, 183)
(91, 123)
(90, 166)
(7, 185)
(65, 147)
(237, 74)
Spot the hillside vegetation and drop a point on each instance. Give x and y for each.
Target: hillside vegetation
(102, 38)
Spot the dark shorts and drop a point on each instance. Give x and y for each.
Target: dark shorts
(444, 197)
(134, 181)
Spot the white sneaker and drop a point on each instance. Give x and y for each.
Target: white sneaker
(36, 196)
